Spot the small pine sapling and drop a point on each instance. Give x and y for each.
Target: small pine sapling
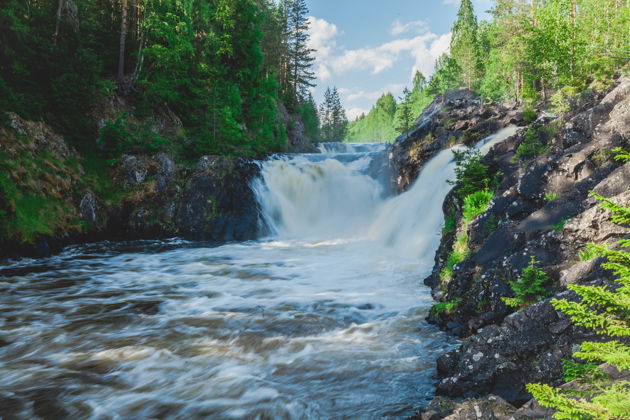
(528, 288)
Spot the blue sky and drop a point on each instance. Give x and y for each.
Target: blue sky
(368, 47)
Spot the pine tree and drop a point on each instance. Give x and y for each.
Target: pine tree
(299, 76)
(404, 115)
(528, 288)
(465, 45)
(334, 123)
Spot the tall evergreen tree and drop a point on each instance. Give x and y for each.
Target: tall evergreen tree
(404, 115)
(299, 74)
(334, 123)
(465, 45)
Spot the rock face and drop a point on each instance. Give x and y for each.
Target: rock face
(543, 209)
(141, 197)
(458, 116)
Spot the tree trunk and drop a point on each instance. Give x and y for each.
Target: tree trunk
(121, 48)
(59, 11)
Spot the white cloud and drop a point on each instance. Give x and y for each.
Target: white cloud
(322, 40)
(350, 95)
(426, 55)
(353, 113)
(377, 59)
(417, 27)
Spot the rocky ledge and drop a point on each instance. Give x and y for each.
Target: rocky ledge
(137, 197)
(542, 208)
(456, 117)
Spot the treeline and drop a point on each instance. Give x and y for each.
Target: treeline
(532, 51)
(225, 68)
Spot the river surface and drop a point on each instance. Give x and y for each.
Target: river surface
(323, 319)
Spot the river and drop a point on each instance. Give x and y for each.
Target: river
(322, 319)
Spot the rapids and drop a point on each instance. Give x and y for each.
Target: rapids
(323, 318)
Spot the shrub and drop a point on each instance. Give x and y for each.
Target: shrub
(550, 197)
(528, 288)
(450, 224)
(529, 114)
(531, 145)
(572, 370)
(471, 174)
(475, 204)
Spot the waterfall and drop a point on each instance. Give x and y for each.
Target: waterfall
(342, 194)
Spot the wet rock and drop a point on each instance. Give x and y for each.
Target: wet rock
(218, 203)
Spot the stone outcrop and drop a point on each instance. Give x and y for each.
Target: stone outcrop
(139, 197)
(458, 116)
(542, 209)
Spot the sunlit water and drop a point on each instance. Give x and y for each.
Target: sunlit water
(324, 319)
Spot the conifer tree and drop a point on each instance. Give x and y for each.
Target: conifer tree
(465, 45)
(334, 123)
(404, 115)
(299, 61)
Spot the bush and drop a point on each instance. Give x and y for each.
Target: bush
(550, 197)
(471, 174)
(476, 203)
(528, 288)
(531, 145)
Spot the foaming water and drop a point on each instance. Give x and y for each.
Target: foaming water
(323, 320)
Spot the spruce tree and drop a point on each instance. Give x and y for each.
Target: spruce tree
(465, 45)
(334, 123)
(299, 62)
(405, 117)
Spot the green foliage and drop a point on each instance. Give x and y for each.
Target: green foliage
(377, 125)
(458, 254)
(465, 47)
(531, 145)
(606, 310)
(572, 370)
(446, 307)
(471, 174)
(404, 115)
(619, 214)
(475, 204)
(589, 252)
(529, 113)
(528, 288)
(333, 117)
(622, 155)
(561, 223)
(450, 224)
(117, 138)
(550, 197)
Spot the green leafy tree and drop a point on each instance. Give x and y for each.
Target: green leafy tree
(377, 125)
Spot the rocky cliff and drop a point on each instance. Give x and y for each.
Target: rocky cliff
(542, 208)
(51, 196)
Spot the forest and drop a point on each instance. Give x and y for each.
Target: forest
(223, 70)
(532, 52)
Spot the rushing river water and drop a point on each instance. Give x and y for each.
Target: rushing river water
(324, 319)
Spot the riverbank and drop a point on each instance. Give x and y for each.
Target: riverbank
(542, 208)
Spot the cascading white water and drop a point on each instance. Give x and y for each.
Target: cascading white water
(335, 196)
(324, 319)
